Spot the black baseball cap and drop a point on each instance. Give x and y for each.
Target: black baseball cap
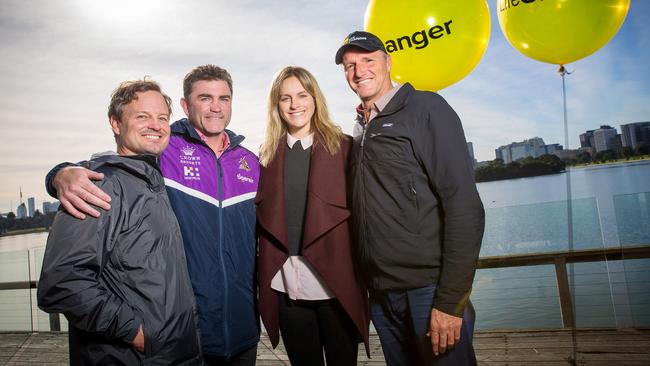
(361, 39)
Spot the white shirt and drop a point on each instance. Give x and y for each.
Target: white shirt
(297, 278)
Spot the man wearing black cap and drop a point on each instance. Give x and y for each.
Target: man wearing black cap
(418, 218)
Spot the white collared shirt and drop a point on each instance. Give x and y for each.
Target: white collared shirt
(306, 141)
(297, 278)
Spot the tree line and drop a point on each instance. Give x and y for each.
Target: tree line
(611, 155)
(11, 223)
(551, 164)
(526, 167)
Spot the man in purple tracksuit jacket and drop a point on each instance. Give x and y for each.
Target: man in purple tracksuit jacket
(211, 181)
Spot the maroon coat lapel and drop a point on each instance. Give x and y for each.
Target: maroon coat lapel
(326, 207)
(271, 215)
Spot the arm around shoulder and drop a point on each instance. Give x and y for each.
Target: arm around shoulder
(73, 185)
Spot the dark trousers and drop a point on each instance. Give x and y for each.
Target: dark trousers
(247, 357)
(402, 319)
(309, 327)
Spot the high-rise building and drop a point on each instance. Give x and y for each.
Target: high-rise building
(31, 206)
(587, 139)
(50, 206)
(21, 211)
(534, 147)
(633, 134)
(605, 138)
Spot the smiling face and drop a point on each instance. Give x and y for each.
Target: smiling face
(209, 106)
(296, 107)
(144, 125)
(367, 73)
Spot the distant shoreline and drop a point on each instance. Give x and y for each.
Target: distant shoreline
(645, 158)
(25, 231)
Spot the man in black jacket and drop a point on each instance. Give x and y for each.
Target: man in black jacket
(121, 279)
(417, 215)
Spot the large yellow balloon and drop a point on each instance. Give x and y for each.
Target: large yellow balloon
(433, 43)
(560, 31)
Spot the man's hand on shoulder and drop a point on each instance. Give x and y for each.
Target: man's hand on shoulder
(444, 331)
(77, 192)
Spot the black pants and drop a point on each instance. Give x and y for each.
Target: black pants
(310, 326)
(246, 357)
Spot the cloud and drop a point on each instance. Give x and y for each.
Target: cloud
(61, 60)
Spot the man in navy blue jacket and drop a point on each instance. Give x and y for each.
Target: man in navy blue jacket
(211, 181)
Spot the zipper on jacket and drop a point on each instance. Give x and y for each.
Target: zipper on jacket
(226, 340)
(362, 191)
(220, 244)
(363, 135)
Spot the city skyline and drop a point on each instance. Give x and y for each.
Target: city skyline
(63, 58)
(470, 143)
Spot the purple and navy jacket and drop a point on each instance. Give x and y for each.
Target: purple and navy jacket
(213, 199)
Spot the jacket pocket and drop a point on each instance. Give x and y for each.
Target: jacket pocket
(392, 207)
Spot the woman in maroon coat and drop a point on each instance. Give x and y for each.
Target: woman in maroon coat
(309, 290)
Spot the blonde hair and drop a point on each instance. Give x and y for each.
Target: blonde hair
(326, 132)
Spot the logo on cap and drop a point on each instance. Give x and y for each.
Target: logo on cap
(354, 39)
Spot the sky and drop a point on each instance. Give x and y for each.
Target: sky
(62, 58)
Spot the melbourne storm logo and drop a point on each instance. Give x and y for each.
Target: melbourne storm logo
(243, 164)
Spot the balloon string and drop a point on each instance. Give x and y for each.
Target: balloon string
(564, 72)
(569, 205)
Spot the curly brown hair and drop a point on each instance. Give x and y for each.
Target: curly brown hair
(128, 91)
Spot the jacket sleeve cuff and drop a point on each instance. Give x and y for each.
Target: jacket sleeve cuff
(455, 308)
(137, 322)
(451, 309)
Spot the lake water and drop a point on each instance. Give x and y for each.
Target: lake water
(610, 207)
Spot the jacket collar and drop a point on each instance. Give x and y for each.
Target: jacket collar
(185, 128)
(144, 167)
(396, 103)
(399, 100)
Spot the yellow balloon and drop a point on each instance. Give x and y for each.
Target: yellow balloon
(560, 31)
(433, 43)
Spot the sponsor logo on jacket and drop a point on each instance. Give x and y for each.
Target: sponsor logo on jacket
(190, 163)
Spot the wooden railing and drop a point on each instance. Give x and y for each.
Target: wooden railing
(558, 259)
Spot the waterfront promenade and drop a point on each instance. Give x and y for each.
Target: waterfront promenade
(585, 347)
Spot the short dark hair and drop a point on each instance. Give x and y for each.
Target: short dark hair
(128, 91)
(206, 72)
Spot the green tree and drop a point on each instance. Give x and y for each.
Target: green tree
(627, 152)
(642, 149)
(583, 158)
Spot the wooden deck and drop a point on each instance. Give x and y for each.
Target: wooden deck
(593, 347)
